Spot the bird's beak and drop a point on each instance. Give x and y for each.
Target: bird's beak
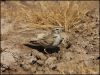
(63, 30)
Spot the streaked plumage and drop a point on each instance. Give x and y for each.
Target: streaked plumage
(52, 40)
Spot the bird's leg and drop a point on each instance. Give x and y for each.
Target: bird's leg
(45, 51)
(47, 54)
(60, 54)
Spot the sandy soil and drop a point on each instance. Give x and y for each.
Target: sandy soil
(22, 21)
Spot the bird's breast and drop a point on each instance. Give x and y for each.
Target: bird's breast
(57, 41)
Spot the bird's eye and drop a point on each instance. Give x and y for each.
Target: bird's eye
(57, 29)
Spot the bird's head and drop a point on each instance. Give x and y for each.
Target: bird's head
(57, 30)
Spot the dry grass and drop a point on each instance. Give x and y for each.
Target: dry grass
(44, 14)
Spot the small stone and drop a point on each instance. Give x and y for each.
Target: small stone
(40, 62)
(39, 55)
(39, 72)
(68, 56)
(50, 60)
(30, 59)
(2, 69)
(26, 67)
(68, 44)
(52, 66)
(40, 68)
(61, 67)
(7, 58)
(33, 69)
(33, 61)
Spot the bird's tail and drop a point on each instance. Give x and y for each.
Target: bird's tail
(29, 45)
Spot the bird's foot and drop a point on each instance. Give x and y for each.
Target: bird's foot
(46, 51)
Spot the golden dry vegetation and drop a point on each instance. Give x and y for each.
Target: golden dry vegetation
(47, 13)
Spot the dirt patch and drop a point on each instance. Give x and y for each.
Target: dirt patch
(22, 21)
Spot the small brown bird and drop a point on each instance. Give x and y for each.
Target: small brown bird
(53, 40)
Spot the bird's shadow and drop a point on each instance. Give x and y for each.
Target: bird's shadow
(49, 50)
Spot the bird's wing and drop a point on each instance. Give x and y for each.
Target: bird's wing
(43, 42)
(49, 40)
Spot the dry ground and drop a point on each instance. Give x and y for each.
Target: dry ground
(21, 20)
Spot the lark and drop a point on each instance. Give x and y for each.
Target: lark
(50, 41)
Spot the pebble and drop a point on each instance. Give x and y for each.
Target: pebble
(7, 58)
(40, 62)
(61, 67)
(50, 60)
